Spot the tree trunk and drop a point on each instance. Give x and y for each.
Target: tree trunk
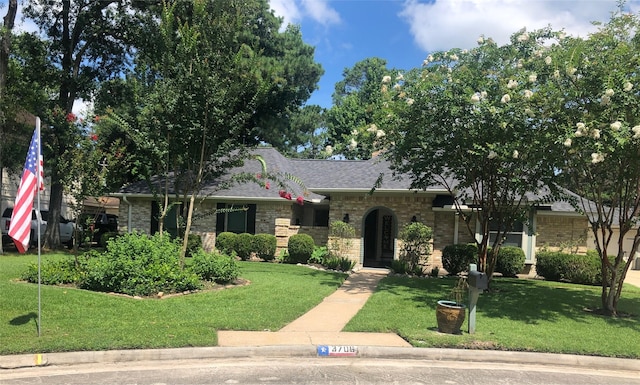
(52, 234)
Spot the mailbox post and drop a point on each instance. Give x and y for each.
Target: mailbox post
(477, 283)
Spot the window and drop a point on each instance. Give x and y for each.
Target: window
(171, 223)
(240, 220)
(512, 238)
(321, 217)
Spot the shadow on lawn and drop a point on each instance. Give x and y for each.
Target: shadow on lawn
(521, 300)
(23, 319)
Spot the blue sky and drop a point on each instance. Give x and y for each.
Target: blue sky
(403, 32)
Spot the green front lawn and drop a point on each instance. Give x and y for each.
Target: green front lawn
(74, 320)
(522, 315)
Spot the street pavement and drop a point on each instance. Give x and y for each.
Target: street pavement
(320, 327)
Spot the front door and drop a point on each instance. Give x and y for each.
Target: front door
(379, 238)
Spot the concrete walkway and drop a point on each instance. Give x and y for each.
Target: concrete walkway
(323, 324)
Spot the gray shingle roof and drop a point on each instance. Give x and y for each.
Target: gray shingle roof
(319, 177)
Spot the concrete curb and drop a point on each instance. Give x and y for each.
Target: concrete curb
(309, 351)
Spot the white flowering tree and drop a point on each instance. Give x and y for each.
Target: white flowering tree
(594, 105)
(467, 121)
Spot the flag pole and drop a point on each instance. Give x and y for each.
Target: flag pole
(39, 183)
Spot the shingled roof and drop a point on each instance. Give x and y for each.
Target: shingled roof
(320, 176)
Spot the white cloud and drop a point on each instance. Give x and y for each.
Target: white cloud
(293, 11)
(287, 9)
(445, 24)
(320, 11)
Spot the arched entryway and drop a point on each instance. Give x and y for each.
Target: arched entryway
(379, 233)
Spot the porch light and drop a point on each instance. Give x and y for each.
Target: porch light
(414, 219)
(345, 219)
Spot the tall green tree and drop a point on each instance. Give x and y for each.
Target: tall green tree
(218, 71)
(464, 122)
(356, 101)
(88, 42)
(307, 134)
(593, 108)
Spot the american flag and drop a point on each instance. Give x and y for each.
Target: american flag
(20, 226)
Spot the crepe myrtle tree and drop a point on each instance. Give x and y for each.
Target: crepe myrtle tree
(594, 105)
(465, 121)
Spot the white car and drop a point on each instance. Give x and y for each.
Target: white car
(67, 228)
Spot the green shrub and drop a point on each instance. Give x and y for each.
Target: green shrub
(106, 237)
(510, 261)
(549, 264)
(574, 268)
(456, 258)
(416, 245)
(300, 247)
(265, 246)
(194, 244)
(341, 236)
(244, 246)
(399, 267)
(332, 263)
(56, 272)
(319, 255)
(137, 264)
(215, 267)
(226, 242)
(339, 263)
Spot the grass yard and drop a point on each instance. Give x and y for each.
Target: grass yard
(522, 315)
(76, 320)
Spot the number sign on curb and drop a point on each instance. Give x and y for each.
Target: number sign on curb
(337, 351)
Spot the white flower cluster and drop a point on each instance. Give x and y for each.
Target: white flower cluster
(506, 98)
(512, 84)
(606, 98)
(597, 157)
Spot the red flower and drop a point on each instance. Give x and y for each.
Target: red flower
(259, 176)
(300, 200)
(71, 117)
(282, 193)
(96, 118)
(288, 196)
(94, 137)
(267, 185)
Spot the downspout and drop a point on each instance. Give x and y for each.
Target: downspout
(124, 199)
(456, 222)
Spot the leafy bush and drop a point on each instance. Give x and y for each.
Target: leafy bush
(416, 244)
(345, 264)
(215, 267)
(244, 246)
(341, 236)
(399, 266)
(510, 261)
(265, 246)
(456, 258)
(300, 248)
(194, 244)
(226, 242)
(319, 255)
(106, 237)
(56, 272)
(137, 264)
(574, 268)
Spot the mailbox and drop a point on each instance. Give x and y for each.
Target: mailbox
(478, 280)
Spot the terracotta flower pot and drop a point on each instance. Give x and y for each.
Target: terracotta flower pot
(450, 316)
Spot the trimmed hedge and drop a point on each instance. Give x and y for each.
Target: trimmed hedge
(574, 268)
(300, 248)
(244, 246)
(510, 261)
(265, 246)
(456, 258)
(215, 267)
(226, 242)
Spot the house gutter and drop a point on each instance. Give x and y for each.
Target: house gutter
(124, 199)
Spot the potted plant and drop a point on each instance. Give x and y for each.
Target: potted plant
(450, 313)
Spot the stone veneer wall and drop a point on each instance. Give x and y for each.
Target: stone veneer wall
(555, 231)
